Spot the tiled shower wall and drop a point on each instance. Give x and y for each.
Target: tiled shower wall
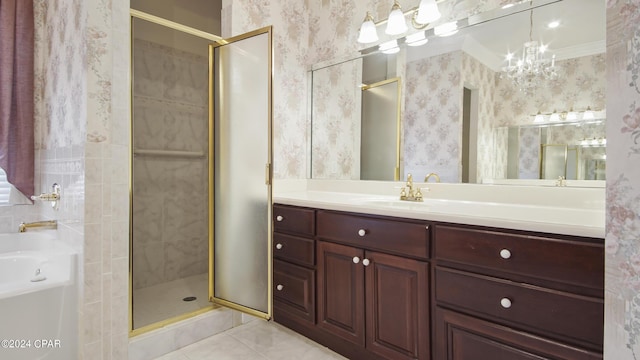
(170, 233)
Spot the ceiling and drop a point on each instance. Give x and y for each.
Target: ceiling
(581, 32)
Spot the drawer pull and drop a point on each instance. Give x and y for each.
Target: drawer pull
(505, 303)
(505, 254)
(278, 246)
(356, 259)
(366, 262)
(279, 218)
(362, 232)
(279, 287)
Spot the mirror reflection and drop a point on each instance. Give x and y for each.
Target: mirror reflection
(486, 103)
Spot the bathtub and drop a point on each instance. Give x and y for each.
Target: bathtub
(38, 297)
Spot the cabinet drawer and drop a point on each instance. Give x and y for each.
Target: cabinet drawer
(294, 290)
(546, 312)
(294, 220)
(393, 236)
(574, 262)
(294, 249)
(461, 337)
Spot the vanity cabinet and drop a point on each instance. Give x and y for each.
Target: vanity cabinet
(373, 283)
(294, 272)
(377, 287)
(516, 295)
(374, 300)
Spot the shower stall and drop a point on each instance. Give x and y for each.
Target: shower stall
(193, 174)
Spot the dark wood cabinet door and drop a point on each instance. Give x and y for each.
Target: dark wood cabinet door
(341, 291)
(461, 337)
(397, 304)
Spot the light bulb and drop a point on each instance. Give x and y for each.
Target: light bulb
(368, 33)
(428, 12)
(396, 24)
(389, 47)
(446, 29)
(416, 39)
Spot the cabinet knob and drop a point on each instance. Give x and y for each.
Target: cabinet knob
(278, 246)
(279, 218)
(356, 259)
(505, 254)
(362, 232)
(366, 262)
(505, 303)
(279, 287)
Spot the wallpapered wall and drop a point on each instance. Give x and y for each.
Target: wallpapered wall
(170, 238)
(622, 278)
(336, 125)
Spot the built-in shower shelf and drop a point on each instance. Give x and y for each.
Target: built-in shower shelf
(169, 153)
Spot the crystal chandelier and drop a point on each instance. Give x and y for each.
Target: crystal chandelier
(529, 71)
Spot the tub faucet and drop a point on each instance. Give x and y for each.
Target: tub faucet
(429, 175)
(50, 224)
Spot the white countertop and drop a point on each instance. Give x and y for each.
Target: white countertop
(574, 219)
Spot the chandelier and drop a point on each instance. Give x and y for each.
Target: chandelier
(533, 68)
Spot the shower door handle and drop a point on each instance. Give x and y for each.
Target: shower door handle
(267, 174)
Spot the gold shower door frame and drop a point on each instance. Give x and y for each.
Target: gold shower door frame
(398, 81)
(218, 41)
(268, 171)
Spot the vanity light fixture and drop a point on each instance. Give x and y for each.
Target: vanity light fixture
(417, 39)
(572, 115)
(368, 32)
(539, 118)
(588, 114)
(425, 13)
(389, 47)
(396, 24)
(446, 29)
(554, 116)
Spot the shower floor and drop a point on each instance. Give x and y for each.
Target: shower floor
(164, 301)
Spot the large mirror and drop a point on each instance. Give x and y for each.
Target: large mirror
(468, 112)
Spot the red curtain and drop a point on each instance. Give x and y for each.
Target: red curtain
(16, 93)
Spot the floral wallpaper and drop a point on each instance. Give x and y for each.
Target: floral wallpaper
(336, 126)
(478, 77)
(529, 153)
(432, 117)
(622, 281)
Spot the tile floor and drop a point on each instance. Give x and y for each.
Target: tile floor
(164, 301)
(259, 340)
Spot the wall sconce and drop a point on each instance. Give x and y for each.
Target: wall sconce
(421, 16)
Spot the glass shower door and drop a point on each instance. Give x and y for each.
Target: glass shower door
(241, 108)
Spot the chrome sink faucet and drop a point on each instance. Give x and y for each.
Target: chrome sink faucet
(50, 224)
(408, 193)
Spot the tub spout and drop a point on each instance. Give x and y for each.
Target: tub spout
(49, 224)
